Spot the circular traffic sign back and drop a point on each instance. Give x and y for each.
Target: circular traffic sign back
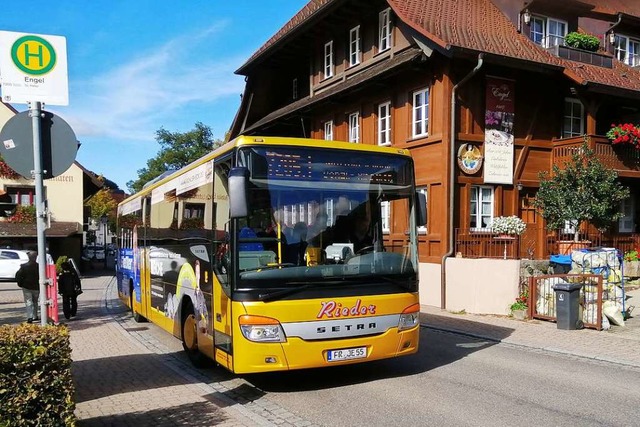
(58, 143)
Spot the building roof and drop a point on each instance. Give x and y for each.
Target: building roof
(57, 229)
(379, 69)
(475, 26)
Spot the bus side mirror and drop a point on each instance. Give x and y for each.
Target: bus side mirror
(238, 185)
(421, 209)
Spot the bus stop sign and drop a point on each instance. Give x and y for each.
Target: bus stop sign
(59, 144)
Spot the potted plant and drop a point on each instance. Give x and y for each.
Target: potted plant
(583, 190)
(632, 263)
(520, 306)
(582, 41)
(624, 133)
(508, 225)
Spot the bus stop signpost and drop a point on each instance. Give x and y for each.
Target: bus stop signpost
(33, 71)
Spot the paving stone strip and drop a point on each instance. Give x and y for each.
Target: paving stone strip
(124, 376)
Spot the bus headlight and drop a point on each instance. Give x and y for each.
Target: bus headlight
(261, 329)
(410, 317)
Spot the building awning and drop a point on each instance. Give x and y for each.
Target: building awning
(57, 229)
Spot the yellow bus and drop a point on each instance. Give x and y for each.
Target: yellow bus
(273, 254)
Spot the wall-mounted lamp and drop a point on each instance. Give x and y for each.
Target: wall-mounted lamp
(612, 38)
(519, 186)
(526, 16)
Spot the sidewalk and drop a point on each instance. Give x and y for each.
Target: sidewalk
(618, 345)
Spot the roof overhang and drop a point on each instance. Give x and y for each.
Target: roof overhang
(57, 229)
(377, 70)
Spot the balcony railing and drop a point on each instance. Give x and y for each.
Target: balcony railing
(557, 46)
(623, 158)
(534, 243)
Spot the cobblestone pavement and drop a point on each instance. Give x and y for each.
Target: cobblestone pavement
(134, 374)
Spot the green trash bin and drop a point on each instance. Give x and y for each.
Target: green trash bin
(568, 306)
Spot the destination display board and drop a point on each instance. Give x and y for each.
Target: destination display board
(329, 166)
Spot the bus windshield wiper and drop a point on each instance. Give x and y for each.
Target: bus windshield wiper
(399, 283)
(283, 292)
(269, 267)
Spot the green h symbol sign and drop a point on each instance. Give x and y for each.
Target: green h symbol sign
(33, 55)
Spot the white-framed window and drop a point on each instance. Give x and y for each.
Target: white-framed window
(481, 208)
(328, 60)
(626, 221)
(294, 89)
(627, 50)
(573, 119)
(384, 30)
(354, 127)
(423, 190)
(420, 120)
(354, 46)
(385, 214)
(547, 32)
(328, 130)
(384, 123)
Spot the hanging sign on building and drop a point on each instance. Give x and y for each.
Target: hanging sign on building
(33, 67)
(498, 133)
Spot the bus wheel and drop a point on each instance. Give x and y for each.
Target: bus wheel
(190, 337)
(136, 316)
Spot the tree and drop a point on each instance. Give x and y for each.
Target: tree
(101, 203)
(177, 150)
(585, 190)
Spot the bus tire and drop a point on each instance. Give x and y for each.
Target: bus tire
(189, 335)
(136, 316)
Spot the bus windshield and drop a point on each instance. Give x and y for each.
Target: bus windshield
(320, 218)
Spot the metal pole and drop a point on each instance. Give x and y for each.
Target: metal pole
(35, 112)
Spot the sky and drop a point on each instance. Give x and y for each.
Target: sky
(136, 66)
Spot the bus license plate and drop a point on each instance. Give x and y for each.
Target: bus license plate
(347, 354)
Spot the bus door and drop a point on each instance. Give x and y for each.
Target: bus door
(221, 266)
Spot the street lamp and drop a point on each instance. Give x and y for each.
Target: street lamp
(104, 219)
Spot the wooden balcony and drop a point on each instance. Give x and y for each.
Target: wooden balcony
(623, 158)
(534, 244)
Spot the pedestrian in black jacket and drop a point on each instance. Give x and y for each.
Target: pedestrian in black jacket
(68, 287)
(28, 279)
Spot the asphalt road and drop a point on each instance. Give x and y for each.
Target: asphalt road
(455, 380)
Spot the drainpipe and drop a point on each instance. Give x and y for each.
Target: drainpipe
(609, 31)
(452, 177)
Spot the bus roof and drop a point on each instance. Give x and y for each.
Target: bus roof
(244, 140)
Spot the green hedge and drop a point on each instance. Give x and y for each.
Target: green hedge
(36, 388)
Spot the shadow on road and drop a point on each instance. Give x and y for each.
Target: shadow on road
(437, 348)
(202, 414)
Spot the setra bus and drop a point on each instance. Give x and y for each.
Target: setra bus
(278, 253)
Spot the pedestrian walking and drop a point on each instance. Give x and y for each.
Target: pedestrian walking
(28, 279)
(69, 287)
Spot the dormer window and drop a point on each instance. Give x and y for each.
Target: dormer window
(384, 30)
(328, 60)
(627, 50)
(547, 32)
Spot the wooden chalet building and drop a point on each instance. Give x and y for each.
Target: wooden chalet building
(484, 93)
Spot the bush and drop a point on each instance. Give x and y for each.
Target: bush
(582, 41)
(61, 260)
(36, 387)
